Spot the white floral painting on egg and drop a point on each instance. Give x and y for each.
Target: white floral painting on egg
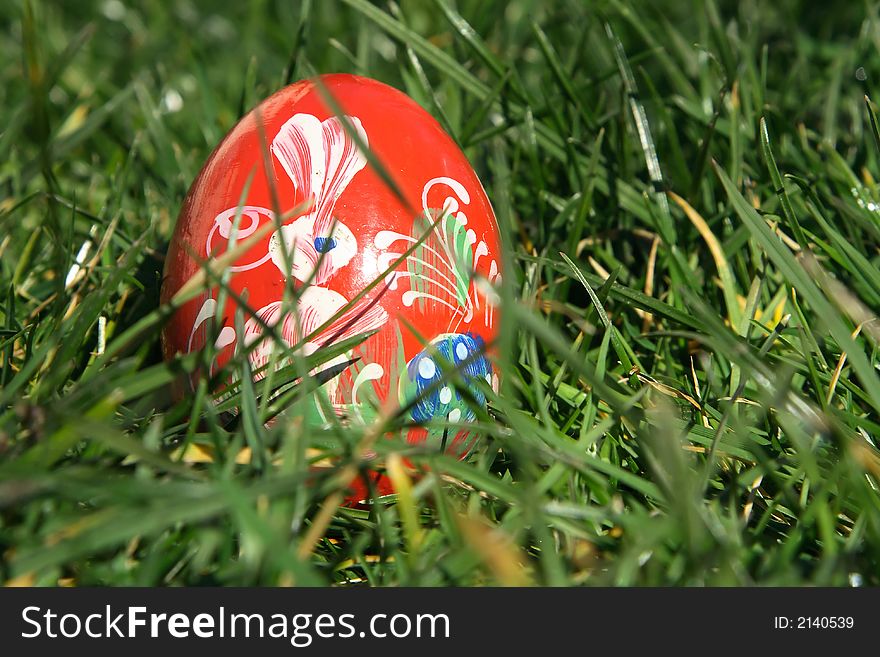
(321, 158)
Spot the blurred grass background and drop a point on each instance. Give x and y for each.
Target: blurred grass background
(688, 195)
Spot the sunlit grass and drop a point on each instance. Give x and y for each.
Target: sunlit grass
(689, 205)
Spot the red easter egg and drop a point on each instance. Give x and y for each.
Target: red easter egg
(341, 228)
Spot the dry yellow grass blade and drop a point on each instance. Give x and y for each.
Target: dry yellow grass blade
(728, 286)
(866, 456)
(199, 453)
(599, 269)
(25, 580)
(196, 453)
(319, 525)
(406, 503)
(497, 550)
(698, 393)
(844, 298)
(832, 385)
(648, 318)
(667, 390)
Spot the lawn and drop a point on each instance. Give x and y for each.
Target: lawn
(688, 196)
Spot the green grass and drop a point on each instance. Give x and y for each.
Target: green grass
(689, 203)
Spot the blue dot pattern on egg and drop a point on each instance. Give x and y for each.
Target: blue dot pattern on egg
(443, 400)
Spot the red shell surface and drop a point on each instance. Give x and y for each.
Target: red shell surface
(350, 227)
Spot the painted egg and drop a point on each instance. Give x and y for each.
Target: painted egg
(427, 255)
